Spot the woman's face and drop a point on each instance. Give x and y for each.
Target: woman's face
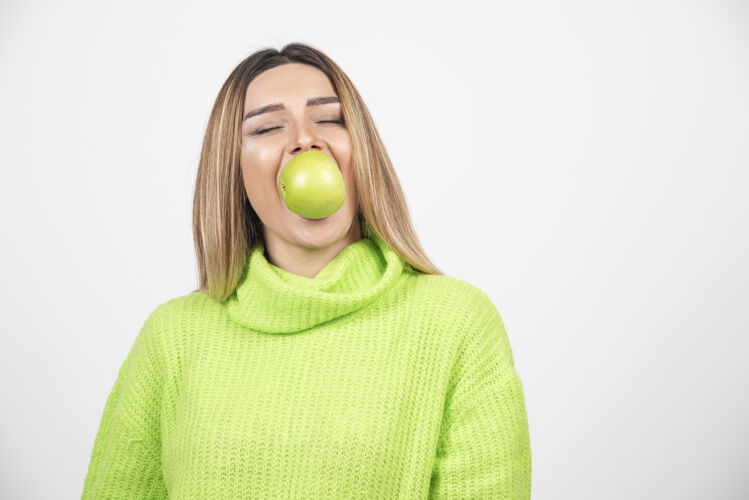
(294, 125)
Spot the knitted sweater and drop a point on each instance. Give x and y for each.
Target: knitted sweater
(369, 380)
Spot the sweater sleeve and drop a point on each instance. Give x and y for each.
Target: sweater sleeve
(484, 444)
(125, 461)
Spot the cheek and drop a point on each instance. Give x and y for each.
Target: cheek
(343, 151)
(259, 169)
(348, 180)
(261, 161)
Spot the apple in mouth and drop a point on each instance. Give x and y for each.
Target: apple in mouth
(311, 185)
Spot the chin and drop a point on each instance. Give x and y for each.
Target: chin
(322, 232)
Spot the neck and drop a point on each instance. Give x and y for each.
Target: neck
(304, 260)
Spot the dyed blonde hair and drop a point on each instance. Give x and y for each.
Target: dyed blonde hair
(224, 223)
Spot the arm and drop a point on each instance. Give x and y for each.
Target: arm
(484, 444)
(126, 458)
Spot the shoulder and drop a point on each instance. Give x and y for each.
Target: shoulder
(182, 308)
(167, 330)
(450, 299)
(463, 317)
(170, 322)
(446, 286)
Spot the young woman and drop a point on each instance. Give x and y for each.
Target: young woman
(320, 357)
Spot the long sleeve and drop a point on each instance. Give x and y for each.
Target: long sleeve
(484, 444)
(125, 462)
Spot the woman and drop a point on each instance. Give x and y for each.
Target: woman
(320, 358)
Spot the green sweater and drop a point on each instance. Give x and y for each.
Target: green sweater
(367, 381)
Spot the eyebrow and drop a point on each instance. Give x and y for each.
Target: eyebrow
(312, 101)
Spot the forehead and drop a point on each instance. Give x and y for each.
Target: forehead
(287, 82)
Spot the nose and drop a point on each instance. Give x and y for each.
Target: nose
(304, 138)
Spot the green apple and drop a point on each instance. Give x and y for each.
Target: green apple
(311, 185)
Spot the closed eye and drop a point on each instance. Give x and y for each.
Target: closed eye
(273, 128)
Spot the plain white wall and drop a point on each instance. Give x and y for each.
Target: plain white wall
(585, 163)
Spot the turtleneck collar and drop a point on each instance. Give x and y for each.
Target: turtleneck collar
(272, 300)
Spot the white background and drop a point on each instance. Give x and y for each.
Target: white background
(585, 163)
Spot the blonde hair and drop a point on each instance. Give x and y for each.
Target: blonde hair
(224, 223)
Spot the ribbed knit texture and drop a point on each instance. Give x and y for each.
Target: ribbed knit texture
(367, 381)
